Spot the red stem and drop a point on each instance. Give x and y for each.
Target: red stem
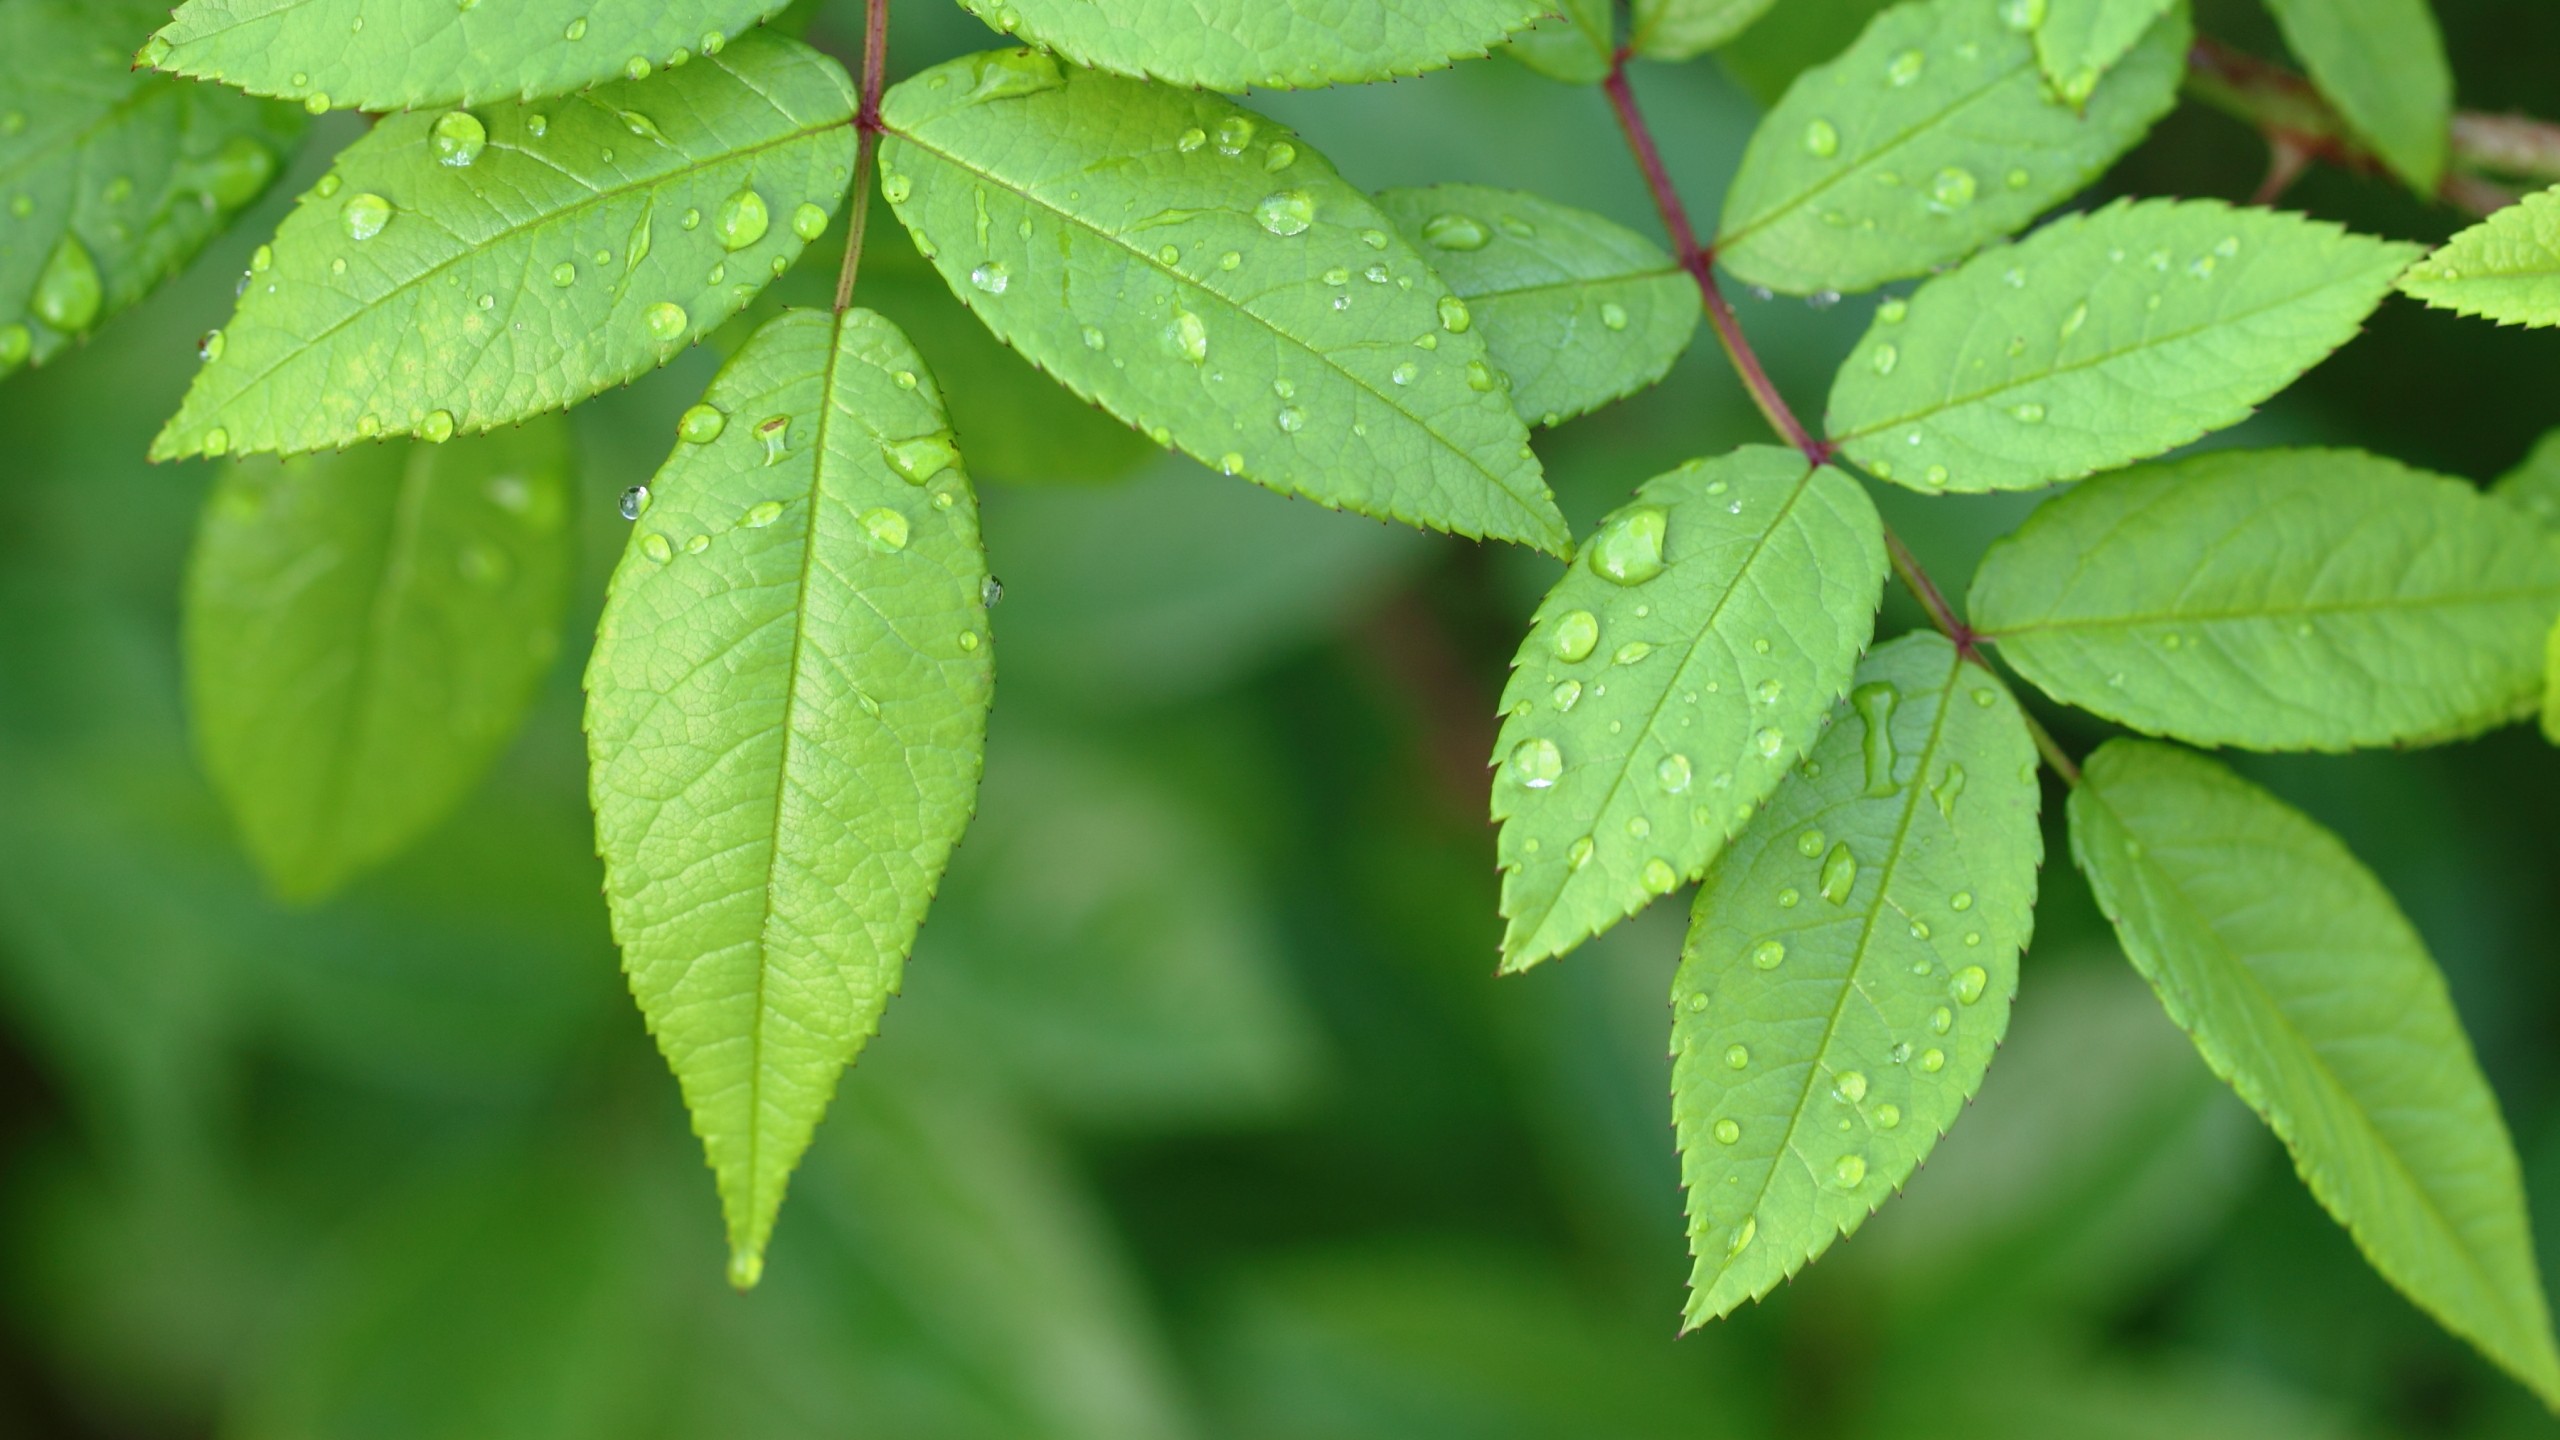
(866, 123)
(1699, 261)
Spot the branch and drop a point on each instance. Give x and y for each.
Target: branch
(866, 122)
(2300, 126)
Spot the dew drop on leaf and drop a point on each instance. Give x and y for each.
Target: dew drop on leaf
(1577, 633)
(1537, 763)
(1628, 549)
(458, 138)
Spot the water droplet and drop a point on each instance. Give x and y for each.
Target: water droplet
(1948, 788)
(1839, 874)
(1737, 1057)
(1874, 703)
(1628, 549)
(437, 428)
(1850, 1086)
(217, 441)
(1011, 74)
(458, 138)
(1659, 877)
(742, 221)
(17, 342)
(1404, 374)
(1970, 983)
(1952, 188)
(209, 348)
(666, 320)
(1906, 67)
(1234, 134)
(1942, 1019)
(774, 433)
(1809, 844)
(634, 501)
(808, 222)
(1537, 763)
(1613, 315)
(1888, 1117)
(1884, 359)
(316, 103)
(1576, 634)
(656, 548)
(1821, 139)
(1851, 1170)
(887, 529)
(1451, 231)
(701, 425)
(1287, 212)
(1674, 773)
(1280, 156)
(1727, 1132)
(1768, 955)
(1453, 315)
(69, 292)
(1188, 336)
(1566, 695)
(364, 215)
(2022, 15)
(991, 277)
(1579, 855)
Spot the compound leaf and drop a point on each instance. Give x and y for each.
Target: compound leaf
(112, 180)
(2078, 41)
(450, 276)
(1276, 44)
(1576, 310)
(1574, 45)
(2100, 340)
(363, 634)
(2506, 268)
(1926, 138)
(2308, 992)
(399, 54)
(786, 714)
(1849, 968)
(1206, 278)
(2382, 63)
(1685, 660)
(2278, 600)
(1685, 29)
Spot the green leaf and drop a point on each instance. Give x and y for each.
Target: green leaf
(1791, 39)
(1208, 279)
(363, 634)
(586, 242)
(112, 180)
(1685, 660)
(1271, 44)
(2277, 600)
(2506, 268)
(2551, 685)
(1685, 29)
(2307, 991)
(786, 714)
(400, 54)
(1926, 138)
(1578, 311)
(1574, 45)
(2382, 63)
(2079, 41)
(1849, 968)
(2535, 482)
(2099, 340)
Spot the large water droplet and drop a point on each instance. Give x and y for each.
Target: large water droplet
(701, 425)
(742, 221)
(1454, 317)
(1839, 874)
(458, 138)
(1875, 703)
(1451, 231)
(1537, 763)
(68, 291)
(920, 459)
(666, 320)
(1234, 134)
(1821, 139)
(437, 428)
(1659, 878)
(887, 529)
(808, 222)
(1613, 315)
(991, 277)
(1628, 549)
(1286, 212)
(1850, 1086)
(1576, 634)
(634, 502)
(1970, 983)
(1768, 955)
(364, 215)
(1933, 1060)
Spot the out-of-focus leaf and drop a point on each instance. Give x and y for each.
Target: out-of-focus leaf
(1573, 45)
(1791, 39)
(1684, 29)
(2505, 268)
(1576, 310)
(402, 54)
(2308, 992)
(2045, 1389)
(2080, 40)
(364, 632)
(1928, 137)
(583, 244)
(2100, 340)
(1236, 45)
(786, 715)
(1849, 969)
(2535, 482)
(1207, 279)
(2382, 63)
(112, 180)
(2278, 600)
(1685, 660)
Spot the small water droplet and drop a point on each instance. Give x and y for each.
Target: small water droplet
(1952, 188)
(1286, 212)
(1888, 1117)
(1234, 134)
(1613, 315)
(1884, 359)
(657, 548)
(701, 425)
(1839, 874)
(1188, 336)
(1674, 773)
(1906, 67)
(1850, 1086)
(634, 502)
(774, 433)
(1737, 1057)
(1809, 844)
(887, 529)
(991, 277)
(1821, 139)
(1659, 878)
(1970, 983)
(437, 428)
(1768, 955)
(364, 215)
(1850, 1170)
(1537, 763)
(1727, 1132)
(1628, 548)
(1875, 703)
(1576, 634)
(1454, 317)
(666, 320)
(2022, 16)
(458, 138)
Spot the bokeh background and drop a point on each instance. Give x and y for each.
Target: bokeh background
(1204, 1114)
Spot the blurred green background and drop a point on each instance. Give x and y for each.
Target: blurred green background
(1203, 1114)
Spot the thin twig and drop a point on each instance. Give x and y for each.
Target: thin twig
(866, 122)
(1931, 598)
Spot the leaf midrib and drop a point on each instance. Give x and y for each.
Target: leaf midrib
(2319, 1062)
(1191, 285)
(1866, 935)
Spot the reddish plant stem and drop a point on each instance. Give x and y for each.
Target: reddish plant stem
(866, 123)
(1700, 263)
